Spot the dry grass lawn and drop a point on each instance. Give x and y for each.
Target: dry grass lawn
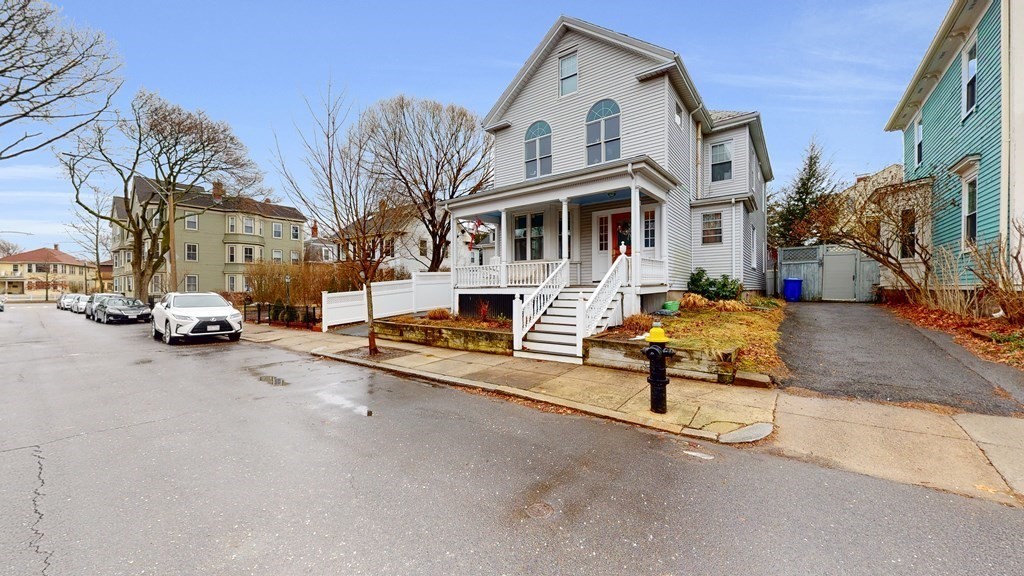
(502, 324)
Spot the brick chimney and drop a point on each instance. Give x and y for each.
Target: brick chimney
(56, 246)
(218, 191)
(314, 231)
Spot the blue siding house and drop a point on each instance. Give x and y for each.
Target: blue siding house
(957, 118)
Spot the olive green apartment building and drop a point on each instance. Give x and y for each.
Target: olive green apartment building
(215, 237)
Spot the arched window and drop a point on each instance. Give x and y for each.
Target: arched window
(603, 142)
(538, 149)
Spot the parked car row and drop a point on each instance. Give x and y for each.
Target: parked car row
(177, 316)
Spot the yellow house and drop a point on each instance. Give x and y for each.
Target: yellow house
(45, 272)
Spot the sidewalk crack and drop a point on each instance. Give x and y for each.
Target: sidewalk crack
(37, 494)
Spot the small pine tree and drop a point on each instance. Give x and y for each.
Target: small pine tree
(788, 211)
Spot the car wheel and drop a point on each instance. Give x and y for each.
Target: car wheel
(235, 337)
(106, 319)
(154, 332)
(168, 339)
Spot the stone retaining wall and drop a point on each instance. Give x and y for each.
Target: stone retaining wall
(715, 365)
(471, 339)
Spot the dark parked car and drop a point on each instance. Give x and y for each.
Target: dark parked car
(120, 309)
(93, 300)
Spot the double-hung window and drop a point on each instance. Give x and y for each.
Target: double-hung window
(568, 75)
(529, 236)
(908, 233)
(918, 141)
(231, 224)
(191, 221)
(231, 254)
(191, 252)
(295, 256)
(248, 254)
(278, 230)
(970, 204)
(603, 143)
(295, 232)
(249, 225)
(277, 256)
(191, 283)
(326, 254)
(538, 149)
(969, 77)
(711, 228)
(721, 161)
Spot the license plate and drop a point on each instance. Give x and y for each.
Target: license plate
(133, 316)
(212, 328)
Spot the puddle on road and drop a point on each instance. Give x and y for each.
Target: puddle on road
(274, 380)
(335, 399)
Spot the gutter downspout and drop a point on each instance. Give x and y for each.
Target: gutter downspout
(1007, 152)
(699, 152)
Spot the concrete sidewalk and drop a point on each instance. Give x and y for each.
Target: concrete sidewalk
(968, 454)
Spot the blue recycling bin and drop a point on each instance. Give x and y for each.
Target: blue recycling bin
(791, 289)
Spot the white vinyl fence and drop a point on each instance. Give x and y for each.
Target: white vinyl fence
(426, 290)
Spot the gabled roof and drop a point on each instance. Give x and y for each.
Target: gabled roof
(945, 46)
(197, 197)
(668, 63)
(43, 256)
(723, 115)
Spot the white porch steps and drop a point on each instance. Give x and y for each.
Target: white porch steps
(553, 337)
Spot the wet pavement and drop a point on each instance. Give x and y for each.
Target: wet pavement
(121, 455)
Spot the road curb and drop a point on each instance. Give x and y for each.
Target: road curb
(677, 429)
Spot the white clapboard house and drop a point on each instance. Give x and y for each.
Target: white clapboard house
(613, 181)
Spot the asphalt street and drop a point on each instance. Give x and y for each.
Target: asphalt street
(866, 352)
(121, 455)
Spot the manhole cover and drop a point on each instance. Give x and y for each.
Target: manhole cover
(539, 510)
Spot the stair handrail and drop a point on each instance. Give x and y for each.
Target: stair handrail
(526, 313)
(603, 295)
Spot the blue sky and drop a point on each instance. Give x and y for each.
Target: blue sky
(824, 69)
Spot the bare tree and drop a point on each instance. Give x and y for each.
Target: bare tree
(54, 79)
(92, 233)
(180, 149)
(431, 152)
(346, 193)
(8, 248)
(888, 220)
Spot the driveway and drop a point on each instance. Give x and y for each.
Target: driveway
(865, 352)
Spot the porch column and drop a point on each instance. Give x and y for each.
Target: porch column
(453, 259)
(565, 228)
(636, 234)
(661, 237)
(503, 234)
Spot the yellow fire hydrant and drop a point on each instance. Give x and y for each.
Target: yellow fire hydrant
(657, 353)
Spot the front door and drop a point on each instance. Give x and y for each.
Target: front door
(622, 230)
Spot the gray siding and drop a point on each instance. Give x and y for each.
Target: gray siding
(587, 230)
(680, 154)
(716, 259)
(740, 146)
(605, 71)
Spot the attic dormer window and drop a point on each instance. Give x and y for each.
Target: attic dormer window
(567, 74)
(538, 149)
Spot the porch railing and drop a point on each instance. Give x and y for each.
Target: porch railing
(532, 273)
(478, 276)
(525, 313)
(589, 313)
(652, 271)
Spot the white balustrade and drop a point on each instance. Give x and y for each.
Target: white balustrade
(525, 313)
(530, 273)
(652, 271)
(478, 276)
(590, 315)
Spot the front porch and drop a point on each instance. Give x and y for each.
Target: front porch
(588, 241)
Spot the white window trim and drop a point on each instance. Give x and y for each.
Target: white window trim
(187, 276)
(964, 62)
(544, 236)
(558, 72)
(918, 125)
(232, 224)
(679, 112)
(231, 254)
(277, 255)
(245, 221)
(187, 259)
(721, 226)
(711, 161)
(965, 179)
(753, 247)
(277, 229)
(194, 218)
(296, 232)
(294, 256)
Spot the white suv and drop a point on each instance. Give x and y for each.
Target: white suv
(194, 314)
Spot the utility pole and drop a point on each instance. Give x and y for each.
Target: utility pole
(172, 253)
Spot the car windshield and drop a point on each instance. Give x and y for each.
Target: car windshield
(199, 301)
(115, 302)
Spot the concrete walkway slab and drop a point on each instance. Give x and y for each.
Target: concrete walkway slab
(603, 394)
(871, 414)
(1002, 439)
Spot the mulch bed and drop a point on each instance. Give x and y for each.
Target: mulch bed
(363, 353)
(993, 339)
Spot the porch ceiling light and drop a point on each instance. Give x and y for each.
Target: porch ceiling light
(612, 194)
